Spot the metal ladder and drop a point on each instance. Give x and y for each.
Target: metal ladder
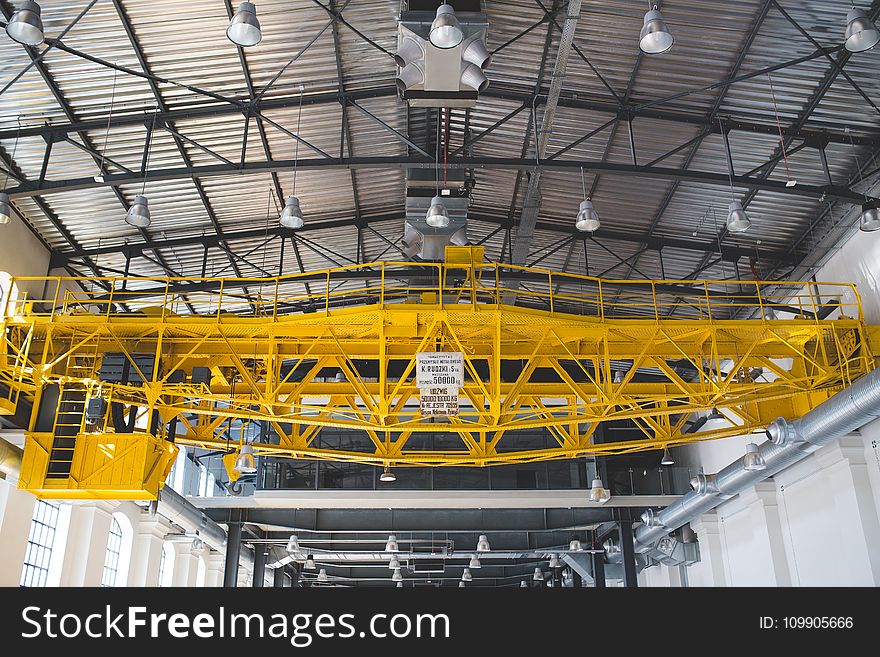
(68, 424)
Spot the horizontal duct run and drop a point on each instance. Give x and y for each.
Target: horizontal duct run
(789, 442)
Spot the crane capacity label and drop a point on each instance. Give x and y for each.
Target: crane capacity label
(438, 402)
(436, 369)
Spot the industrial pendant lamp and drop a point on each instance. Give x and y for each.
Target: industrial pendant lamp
(310, 563)
(438, 215)
(861, 32)
(400, 585)
(394, 564)
(446, 30)
(483, 543)
(538, 576)
(138, 214)
(391, 544)
(293, 543)
(244, 28)
(466, 575)
(291, 216)
(667, 457)
(655, 37)
(25, 25)
(554, 561)
(322, 575)
(5, 209)
(246, 463)
(587, 218)
(753, 460)
(461, 585)
(523, 584)
(598, 492)
(575, 545)
(397, 577)
(475, 562)
(737, 219)
(869, 221)
(387, 476)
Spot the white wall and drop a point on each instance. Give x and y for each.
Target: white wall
(22, 254)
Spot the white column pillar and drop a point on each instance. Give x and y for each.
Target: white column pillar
(767, 536)
(214, 562)
(709, 571)
(86, 548)
(16, 513)
(185, 566)
(146, 550)
(858, 527)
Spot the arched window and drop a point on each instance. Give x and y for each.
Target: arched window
(114, 549)
(118, 555)
(38, 557)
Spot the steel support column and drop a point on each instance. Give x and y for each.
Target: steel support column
(259, 565)
(233, 553)
(629, 554)
(279, 577)
(598, 559)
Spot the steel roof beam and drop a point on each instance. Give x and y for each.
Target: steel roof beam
(833, 192)
(523, 95)
(519, 250)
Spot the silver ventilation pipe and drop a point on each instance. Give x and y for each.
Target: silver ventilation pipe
(178, 510)
(10, 459)
(789, 442)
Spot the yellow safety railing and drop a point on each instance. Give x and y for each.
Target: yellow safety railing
(441, 284)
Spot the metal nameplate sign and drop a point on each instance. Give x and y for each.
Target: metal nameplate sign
(438, 402)
(440, 369)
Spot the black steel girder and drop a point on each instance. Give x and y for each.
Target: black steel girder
(761, 183)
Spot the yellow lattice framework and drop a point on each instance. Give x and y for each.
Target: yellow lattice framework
(576, 351)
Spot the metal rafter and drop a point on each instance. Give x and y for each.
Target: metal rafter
(53, 87)
(519, 250)
(760, 183)
(162, 106)
(827, 81)
(710, 119)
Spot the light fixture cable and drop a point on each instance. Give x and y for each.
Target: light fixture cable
(296, 148)
(149, 151)
(779, 127)
(858, 164)
(109, 118)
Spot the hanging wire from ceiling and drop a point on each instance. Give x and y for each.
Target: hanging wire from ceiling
(298, 125)
(858, 164)
(109, 119)
(149, 150)
(790, 182)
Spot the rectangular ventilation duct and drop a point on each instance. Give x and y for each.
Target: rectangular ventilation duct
(424, 242)
(431, 76)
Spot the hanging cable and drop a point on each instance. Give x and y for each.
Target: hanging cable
(858, 164)
(149, 150)
(729, 158)
(790, 182)
(298, 124)
(12, 157)
(437, 156)
(109, 118)
(583, 183)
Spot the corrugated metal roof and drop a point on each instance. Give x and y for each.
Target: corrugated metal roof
(185, 43)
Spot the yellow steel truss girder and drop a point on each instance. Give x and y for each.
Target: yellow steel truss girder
(802, 361)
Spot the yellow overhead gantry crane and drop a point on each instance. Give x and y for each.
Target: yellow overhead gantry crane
(121, 371)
